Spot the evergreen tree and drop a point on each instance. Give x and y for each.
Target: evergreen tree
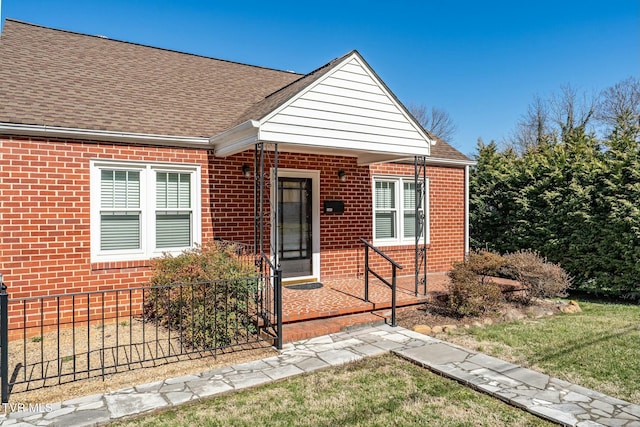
(575, 199)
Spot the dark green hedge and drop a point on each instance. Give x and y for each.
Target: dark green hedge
(576, 202)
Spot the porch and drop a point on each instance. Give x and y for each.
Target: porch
(315, 309)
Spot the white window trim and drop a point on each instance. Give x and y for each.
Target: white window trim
(148, 208)
(400, 240)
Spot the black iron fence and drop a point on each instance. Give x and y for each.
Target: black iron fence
(367, 270)
(270, 298)
(49, 340)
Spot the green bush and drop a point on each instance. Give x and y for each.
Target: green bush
(208, 294)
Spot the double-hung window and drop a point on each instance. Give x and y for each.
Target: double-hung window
(394, 211)
(173, 210)
(120, 212)
(139, 211)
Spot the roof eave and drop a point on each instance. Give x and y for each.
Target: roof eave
(237, 139)
(438, 161)
(449, 162)
(44, 131)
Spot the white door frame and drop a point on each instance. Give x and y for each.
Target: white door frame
(314, 175)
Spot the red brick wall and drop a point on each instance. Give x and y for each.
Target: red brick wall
(342, 254)
(341, 250)
(45, 247)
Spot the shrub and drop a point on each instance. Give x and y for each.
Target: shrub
(208, 294)
(472, 293)
(539, 278)
(485, 263)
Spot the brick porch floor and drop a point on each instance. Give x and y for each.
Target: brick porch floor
(340, 303)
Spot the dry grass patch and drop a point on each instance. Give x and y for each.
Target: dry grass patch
(135, 353)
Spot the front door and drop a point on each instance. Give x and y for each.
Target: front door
(295, 226)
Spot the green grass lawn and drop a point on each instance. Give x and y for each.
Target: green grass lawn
(598, 348)
(380, 391)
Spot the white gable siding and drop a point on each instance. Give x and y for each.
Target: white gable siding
(347, 109)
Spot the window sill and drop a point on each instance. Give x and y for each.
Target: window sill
(119, 265)
(396, 245)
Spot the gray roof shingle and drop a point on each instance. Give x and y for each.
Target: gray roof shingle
(64, 79)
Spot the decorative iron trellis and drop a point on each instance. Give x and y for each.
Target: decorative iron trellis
(265, 216)
(420, 179)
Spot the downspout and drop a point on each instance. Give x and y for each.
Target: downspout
(466, 210)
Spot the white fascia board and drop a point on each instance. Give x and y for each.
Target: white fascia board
(102, 135)
(450, 162)
(363, 158)
(236, 139)
(433, 161)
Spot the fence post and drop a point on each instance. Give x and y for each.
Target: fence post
(366, 273)
(4, 340)
(393, 296)
(277, 291)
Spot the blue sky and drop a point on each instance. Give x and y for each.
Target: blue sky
(481, 61)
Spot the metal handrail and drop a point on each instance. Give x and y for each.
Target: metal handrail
(393, 285)
(379, 252)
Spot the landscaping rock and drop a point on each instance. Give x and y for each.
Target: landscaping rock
(449, 328)
(437, 329)
(572, 307)
(487, 322)
(537, 311)
(512, 315)
(422, 329)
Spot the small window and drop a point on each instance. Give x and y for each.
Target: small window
(395, 210)
(142, 210)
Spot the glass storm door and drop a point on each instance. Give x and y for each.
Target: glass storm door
(294, 226)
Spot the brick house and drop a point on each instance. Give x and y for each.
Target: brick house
(112, 153)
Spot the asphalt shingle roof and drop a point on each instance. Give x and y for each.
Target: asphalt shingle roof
(64, 79)
(59, 78)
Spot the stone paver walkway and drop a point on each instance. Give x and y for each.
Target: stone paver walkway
(547, 397)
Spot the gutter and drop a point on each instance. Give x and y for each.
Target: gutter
(435, 161)
(450, 162)
(101, 135)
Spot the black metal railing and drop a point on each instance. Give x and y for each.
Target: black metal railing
(270, 300)
(270, 291)
(393, 285)
(244, 251)
(63, 338)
